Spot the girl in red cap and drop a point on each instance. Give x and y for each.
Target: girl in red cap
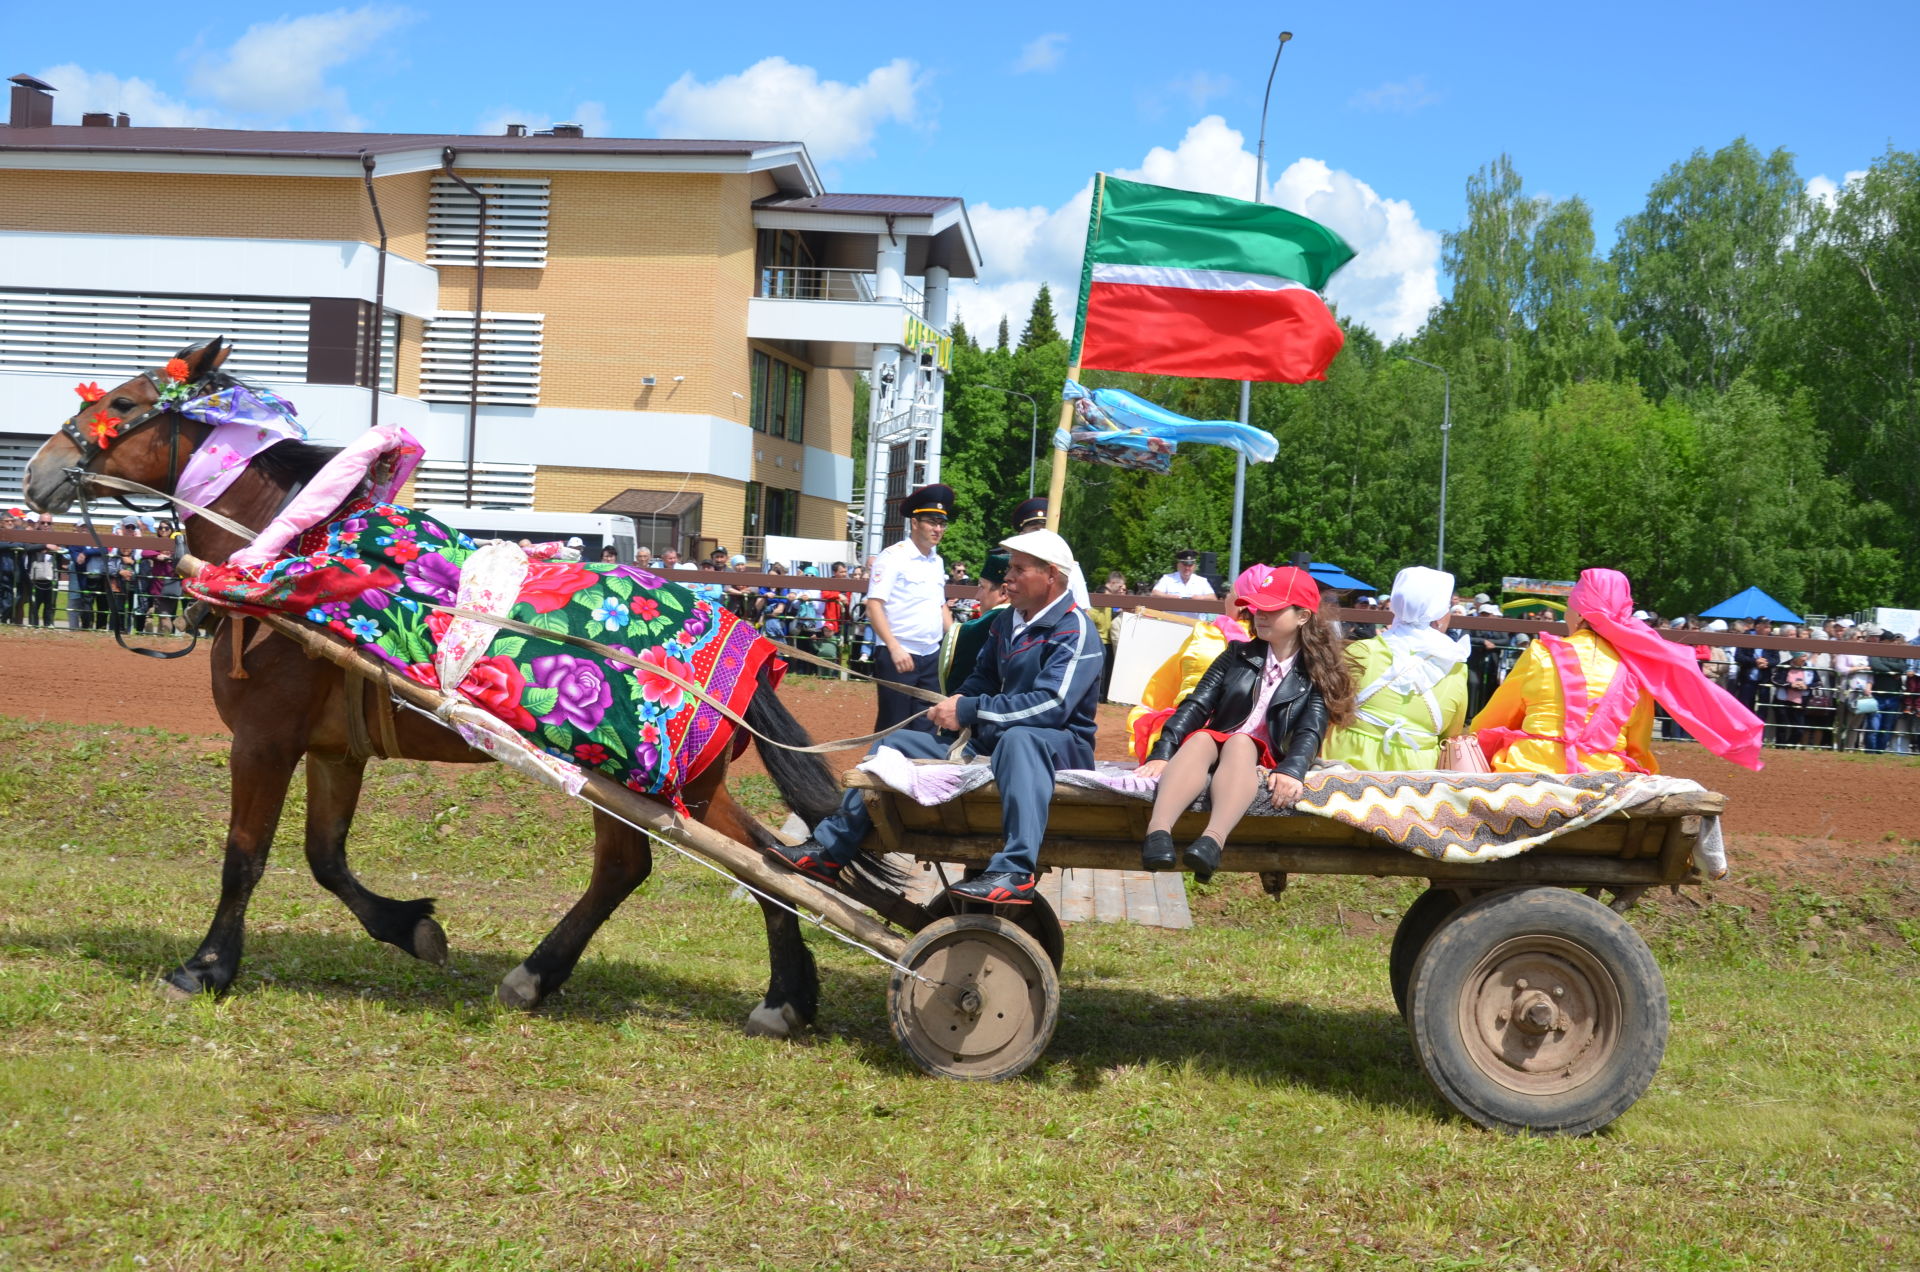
(1263, 704)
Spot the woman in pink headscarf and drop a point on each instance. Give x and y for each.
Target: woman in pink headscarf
(1584, 703)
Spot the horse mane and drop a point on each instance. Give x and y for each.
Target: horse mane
(292, 462)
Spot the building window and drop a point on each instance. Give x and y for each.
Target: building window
(510, 346)
(508, 487)
(516, 230)
(762, 372)
(750, 529)
(786, 266)
(779, 406)
(104, 335)
(782, 512)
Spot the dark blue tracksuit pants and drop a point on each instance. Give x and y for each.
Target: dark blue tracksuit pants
(1023, 762)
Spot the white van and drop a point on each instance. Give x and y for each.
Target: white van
(596, 530)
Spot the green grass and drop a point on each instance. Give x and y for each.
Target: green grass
(1237, 1095)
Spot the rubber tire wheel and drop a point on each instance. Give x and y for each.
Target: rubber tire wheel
(1038, 920)
(1036, 999)
(1422, 919)
(1544, 917)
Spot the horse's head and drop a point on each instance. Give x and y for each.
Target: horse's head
(129, 431)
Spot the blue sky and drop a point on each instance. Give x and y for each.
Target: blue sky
(1379, 112)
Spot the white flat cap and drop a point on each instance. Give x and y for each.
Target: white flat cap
(1044, 544)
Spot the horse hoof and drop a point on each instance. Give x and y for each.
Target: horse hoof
(178, 986)
(429, 942)
(774, 1022)
(519, 989)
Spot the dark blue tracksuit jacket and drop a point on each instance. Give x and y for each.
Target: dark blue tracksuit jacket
(1030, 701)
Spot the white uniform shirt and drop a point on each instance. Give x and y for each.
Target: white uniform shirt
(914, 589)
(1195, 588)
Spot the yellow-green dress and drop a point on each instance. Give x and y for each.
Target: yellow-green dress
(1396, 728)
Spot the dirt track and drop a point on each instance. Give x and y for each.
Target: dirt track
(1815, 811)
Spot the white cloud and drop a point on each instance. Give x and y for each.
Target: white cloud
(775, 100)
(82, 90)
(1392, 282)
(1824, 189)
(592, 116)
(1042, 54)
(1400, 97)
(277, 69)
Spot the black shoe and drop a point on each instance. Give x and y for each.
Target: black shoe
(1001, 888)
(1156, 854)
(1202, 857)
(809, 859)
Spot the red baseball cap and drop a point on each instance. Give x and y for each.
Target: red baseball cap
(1288, 585)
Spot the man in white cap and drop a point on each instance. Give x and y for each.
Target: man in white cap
(1030, 701)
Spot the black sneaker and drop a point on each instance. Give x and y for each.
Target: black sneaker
(809, 859)
(1000, 888)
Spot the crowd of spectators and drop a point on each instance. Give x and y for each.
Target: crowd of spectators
(108, 586)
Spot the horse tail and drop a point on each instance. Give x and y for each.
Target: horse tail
(806, 783)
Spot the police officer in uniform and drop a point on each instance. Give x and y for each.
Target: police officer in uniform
(907, 607)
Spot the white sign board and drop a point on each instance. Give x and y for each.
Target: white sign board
(1904, 621)
(791, 552)
(1141, 646)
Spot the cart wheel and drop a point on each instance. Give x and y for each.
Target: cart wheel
(1422, 919)
(1038, 920)
(1538, 1009)
(987, 1006)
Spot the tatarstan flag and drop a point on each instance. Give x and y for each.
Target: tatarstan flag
(1178, 283)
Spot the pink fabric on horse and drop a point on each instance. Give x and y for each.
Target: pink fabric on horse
(1668, 671)
(385, 457)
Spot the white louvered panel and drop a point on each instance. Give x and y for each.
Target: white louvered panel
(389, 347)
(15, 450)
(516, 229)
(510, 347)
(503, 486)
(94, 336)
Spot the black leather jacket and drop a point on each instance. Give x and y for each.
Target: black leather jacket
(1296, 716)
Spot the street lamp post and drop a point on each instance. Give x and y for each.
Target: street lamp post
(1033, 433)
(1246, 387)
(1446, 430)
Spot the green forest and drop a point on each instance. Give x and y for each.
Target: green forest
(1727, 398)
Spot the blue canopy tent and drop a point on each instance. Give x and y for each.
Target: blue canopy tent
(1332, 576)
(1753, 603)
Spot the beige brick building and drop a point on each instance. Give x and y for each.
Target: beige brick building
(668, 329)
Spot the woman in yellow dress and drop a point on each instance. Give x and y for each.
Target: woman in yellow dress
(1413, 682)
(1584, 703)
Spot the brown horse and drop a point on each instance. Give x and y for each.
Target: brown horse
(288, 706)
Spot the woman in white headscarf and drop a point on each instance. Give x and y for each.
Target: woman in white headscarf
(1413, 682)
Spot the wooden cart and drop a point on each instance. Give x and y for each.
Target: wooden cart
(1533, 1005)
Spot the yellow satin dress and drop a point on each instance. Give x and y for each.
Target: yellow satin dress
(1530, 698)
(1176, 679)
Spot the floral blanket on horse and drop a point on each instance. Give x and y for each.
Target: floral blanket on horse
(373, 575)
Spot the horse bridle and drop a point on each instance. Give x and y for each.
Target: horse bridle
(79, 475)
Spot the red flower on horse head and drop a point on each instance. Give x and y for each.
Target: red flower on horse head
(103, 428)
(176, 369)
(90, 392)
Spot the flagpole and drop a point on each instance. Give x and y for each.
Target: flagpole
(1057, 479)
(1246, 386)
